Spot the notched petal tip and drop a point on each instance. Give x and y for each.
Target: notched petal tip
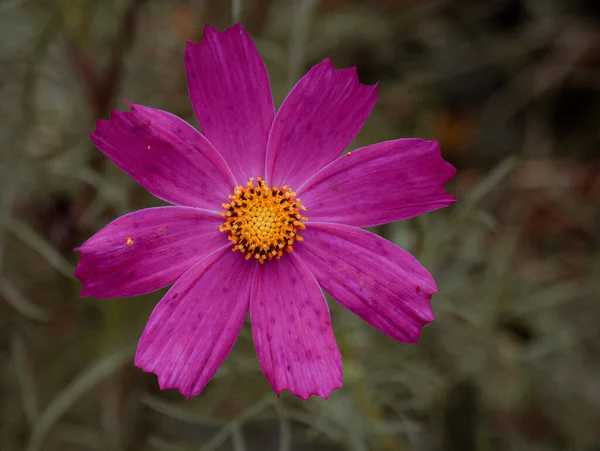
(420, 333)
(193, 328)
(446, 168)
(297, 353)
(414, 339)
(116, 115)
(152, 146)
(350, 72)
(212, 36)
(327, 63)
(427, 316)
(80, 273)
(101, 125)
(450, 199)
(163, 383)
(87, 293)
(189, 47)
(237, 27)
(211, 32)
(305, 395)
(207, 32)
(318, 119)
(230, 93)
(448, 171)
(84, 293)
(370, 262)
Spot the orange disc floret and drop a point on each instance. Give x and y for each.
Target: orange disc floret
(263, 222)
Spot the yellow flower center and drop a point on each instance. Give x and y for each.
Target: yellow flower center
(263, 222)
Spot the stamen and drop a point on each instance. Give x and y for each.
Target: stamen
(263, 222)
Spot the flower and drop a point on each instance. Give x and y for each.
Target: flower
(273, 188)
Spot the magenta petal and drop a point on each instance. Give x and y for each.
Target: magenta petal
(230, 92)
(166, 155)
(193, 328)
(147, 250)
(292, 330)
(378, 184)
(375, 279)
(316, 122)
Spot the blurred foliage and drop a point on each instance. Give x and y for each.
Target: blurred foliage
(511, 90)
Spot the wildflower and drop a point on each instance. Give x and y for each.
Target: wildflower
(267, 214)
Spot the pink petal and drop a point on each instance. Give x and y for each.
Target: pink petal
(316, 122)
(147, 250)
(375, 279)
(231, 96)
(166, 155)
(292, 330)
(378, 184)
(193, 328)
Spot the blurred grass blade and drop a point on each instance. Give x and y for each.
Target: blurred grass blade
(28, 236)
(20, 303)
(553, 296)
(10, 4)
(111, 192)
(237, 7)
(237, 436)
(25, 379)
(285, 432)
(222, 434)
(489, 183)
(299, 38)
(82, 437)
(162, 445)
(84, 382)
(325, 428)
(178, 413)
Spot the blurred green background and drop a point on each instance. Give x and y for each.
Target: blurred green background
(511, 90)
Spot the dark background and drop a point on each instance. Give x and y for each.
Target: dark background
(511, 90)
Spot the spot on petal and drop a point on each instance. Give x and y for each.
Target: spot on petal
(129, 241)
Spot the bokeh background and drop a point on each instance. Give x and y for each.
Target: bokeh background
(511, 89)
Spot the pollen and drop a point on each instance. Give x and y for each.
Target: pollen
(263, 222)
(129, 241)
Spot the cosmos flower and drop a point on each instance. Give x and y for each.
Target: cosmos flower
(266, 214)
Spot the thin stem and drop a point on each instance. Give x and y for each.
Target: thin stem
(299, 38)
(237, 7)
